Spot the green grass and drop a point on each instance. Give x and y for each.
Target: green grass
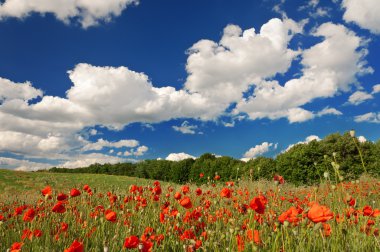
(14, 182)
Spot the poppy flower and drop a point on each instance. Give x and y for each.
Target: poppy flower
(16, 247)
(27, 233)
(290, 215)
(318, 213)
(76, 246)
(198, 191)
(225, 193)
(74, 192)
(254, 235)
(111, 216)
(279, 179)
(177, 195)
(131, 242)
(29, 215)
(201, 175)
(62, 197)
(185, 189)
(37, 233)
(157, 190)
(326, 229)
(217, 177)
(86, 187)
(186, 202)
(64, 226)
(46, 191)
(59, 207)
(258, 204)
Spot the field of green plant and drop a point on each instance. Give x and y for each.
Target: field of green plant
(89, 212)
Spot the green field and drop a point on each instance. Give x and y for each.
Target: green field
(14, 182)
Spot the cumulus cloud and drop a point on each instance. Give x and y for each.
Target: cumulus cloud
(329, 67)
(86, 12)
(222, 71)
(186, 128)
(359, 97)
(140, 150)
(306, 141)
(178, 156)
(22, 165)
(101, 143)
(85, 160)
(23, 91)
(370, 117)
(376, 89)
(329, 111)
(259, 150)
(364, 13)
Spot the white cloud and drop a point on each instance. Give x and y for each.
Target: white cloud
(186, 128)
(22, 165)
(306, 141)
(376, 89)
(362, 139)
(259, 150)
(359, 97)
(178, 156)
(101, 143)
(329, 67)
(329, 111)
(222, 71)
(23, 91)
(371, 117)
(86, 12)
(89, 159)
(364, 13)
(140, 150)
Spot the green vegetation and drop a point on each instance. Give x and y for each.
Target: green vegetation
(302, 164)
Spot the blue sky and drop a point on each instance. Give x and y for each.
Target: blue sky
(126, 80)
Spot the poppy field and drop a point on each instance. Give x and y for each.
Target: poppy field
(145, 215)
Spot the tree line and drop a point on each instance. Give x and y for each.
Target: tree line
(337, 157)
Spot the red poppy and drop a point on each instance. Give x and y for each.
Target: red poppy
(201, 175)
(86, 187)
(240, 243)
(16, 247)
(62, 197)
(29, 215)
(230, 183)
(279, 179)
(157, 190)
(37, 233)
(131, 242)
(225, 193)
(27, 233)
(59, 207)
(74, 192)
(217, 177)
(186, 202)
(76, 246)
(46, 191)
(326, 229)
(258, 204)
(177, 195)
(318, 213)
(110, 216)
(198, 191)
(64, 226)
(291, 215)
(185, 189)
(254, 235)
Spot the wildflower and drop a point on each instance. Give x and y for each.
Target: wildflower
(279, 179)
(29, 215)
(186, 203)
(131, 242)
(225, 193)
(74, 192)
(62, 197)
(318, 213)
(59, 207)
(46, 191)
(291, 215)
(16, 247)
(258, 204)
(76, 246)
(217, 177)
(177, 196)
(110, 216)
(201, 175)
